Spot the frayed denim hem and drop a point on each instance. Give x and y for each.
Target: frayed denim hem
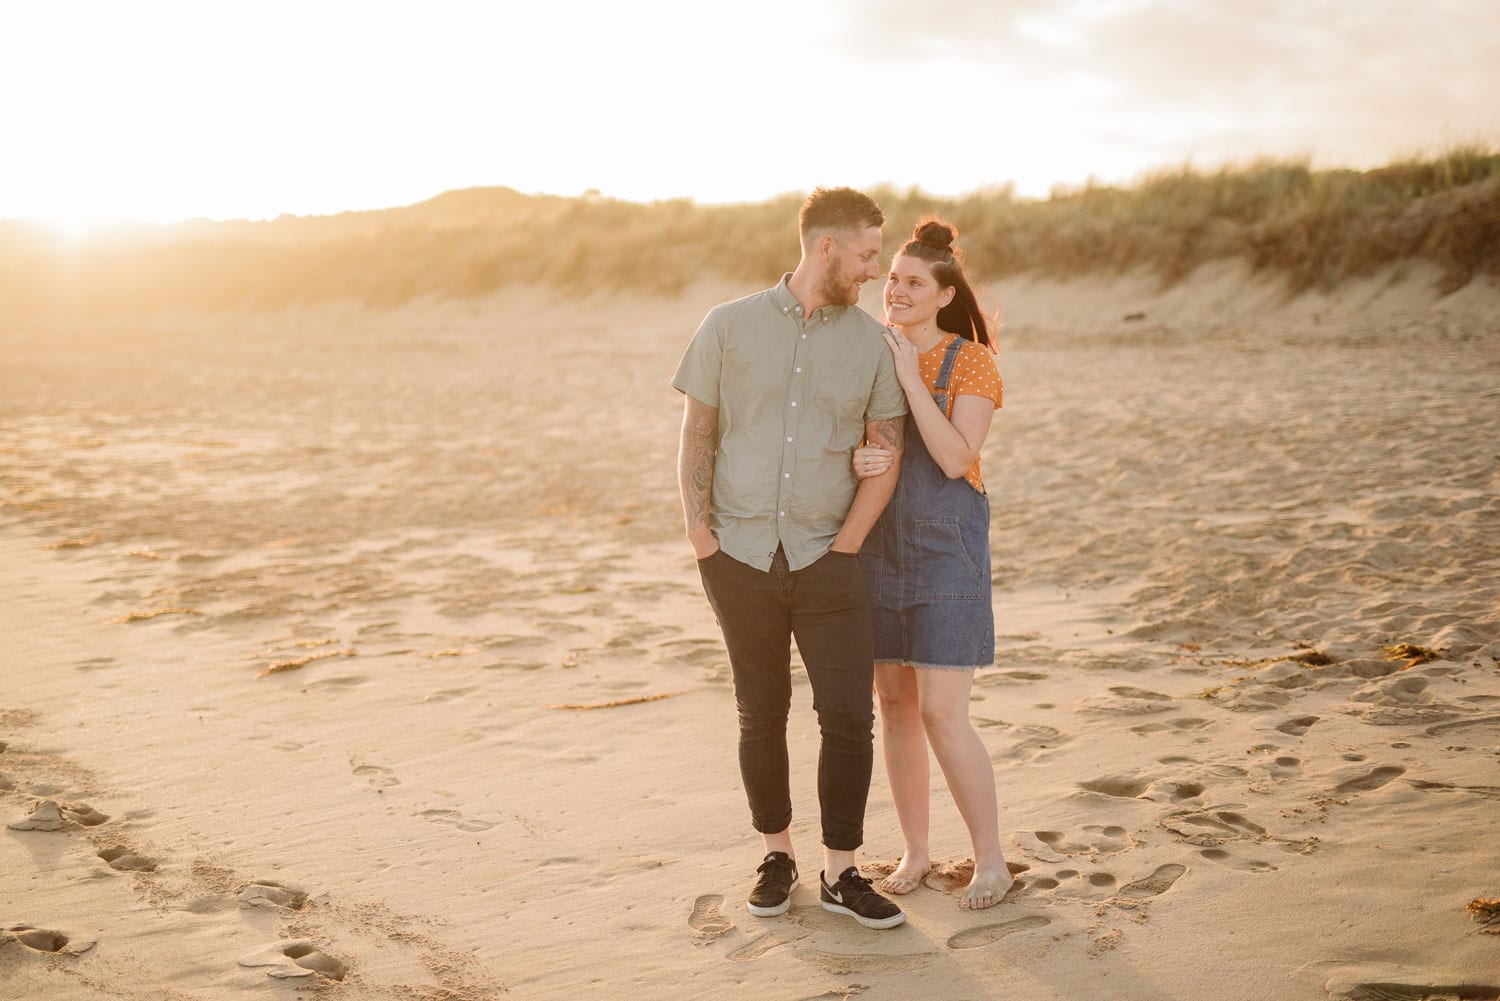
(936, 667)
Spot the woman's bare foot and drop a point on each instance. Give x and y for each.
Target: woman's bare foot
(987, 888)
(906, 877)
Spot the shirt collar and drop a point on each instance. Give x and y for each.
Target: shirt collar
(782, 296)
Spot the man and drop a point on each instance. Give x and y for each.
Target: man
(780, 387)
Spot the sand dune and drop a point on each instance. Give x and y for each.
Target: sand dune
(360, 650)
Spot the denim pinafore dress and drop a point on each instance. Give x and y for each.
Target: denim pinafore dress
(927, 562)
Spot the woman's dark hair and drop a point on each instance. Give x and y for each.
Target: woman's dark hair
(932, 241)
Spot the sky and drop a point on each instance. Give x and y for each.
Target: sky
(164, 110)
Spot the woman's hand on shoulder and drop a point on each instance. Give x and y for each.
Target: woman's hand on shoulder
(908, 370)
(872, 460)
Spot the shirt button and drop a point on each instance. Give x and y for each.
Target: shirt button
(797, 370)
(782, 513)
(786, 476)
(789, 439)
(794, 403)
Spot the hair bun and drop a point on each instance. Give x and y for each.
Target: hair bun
(935, 234)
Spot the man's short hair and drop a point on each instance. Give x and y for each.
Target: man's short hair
(840, 210)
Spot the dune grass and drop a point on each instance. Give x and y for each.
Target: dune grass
(1314, 228)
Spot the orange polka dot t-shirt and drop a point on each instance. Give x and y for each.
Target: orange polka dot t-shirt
(974, 374)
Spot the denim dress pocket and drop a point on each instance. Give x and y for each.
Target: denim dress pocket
(945, 568)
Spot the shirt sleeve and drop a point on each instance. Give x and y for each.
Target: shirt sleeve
(976, 374)
(698, 371)
(887, 399)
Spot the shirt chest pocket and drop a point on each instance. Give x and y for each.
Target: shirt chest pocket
(842, 391)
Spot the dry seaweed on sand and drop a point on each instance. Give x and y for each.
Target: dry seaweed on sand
(1412, 653)
(299, 662)
(613, 703)
(82, 542)
(1486, 911)
(153, 613)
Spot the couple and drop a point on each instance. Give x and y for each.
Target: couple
(875, 558)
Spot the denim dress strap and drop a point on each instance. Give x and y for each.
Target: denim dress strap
(940, 388)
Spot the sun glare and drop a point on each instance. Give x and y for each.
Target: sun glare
(174, 111)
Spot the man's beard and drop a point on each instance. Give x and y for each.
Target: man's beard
(834, 289)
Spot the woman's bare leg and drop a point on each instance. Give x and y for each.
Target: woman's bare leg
(904, 745)
(944, 700)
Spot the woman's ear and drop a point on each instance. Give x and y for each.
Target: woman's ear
(948, 294)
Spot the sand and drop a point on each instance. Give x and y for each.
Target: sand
(358, 653)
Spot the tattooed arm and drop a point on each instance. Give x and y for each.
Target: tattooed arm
(695, 472)
(872, 495)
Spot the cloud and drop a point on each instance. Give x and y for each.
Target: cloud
(1355, 82)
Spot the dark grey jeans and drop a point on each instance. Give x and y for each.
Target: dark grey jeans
(825, 606)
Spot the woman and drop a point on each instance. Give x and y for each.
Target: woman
(927, 563)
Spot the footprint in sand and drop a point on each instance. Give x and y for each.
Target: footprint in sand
(1182, 724)
(264, 893)
(1223, 858)
(49, 815)
(1072, 884)
(1185, 790)
(296, 957)
(1036, 741)
(1442, 728)
(1412, 992)
(1119, 786)
(760, 945)
(1127, 692)
(844, 963)
(456, 819)
(1374, 780)
(1285, 767)
(1124, 700)
(1214, 771)
(1154, 885)
(983, 935)
(1054, 846)
(1483, 792)
(1211, 828)
(837, 993)
(1297, 727)
(707, 918)
(45, 940)
(380, 778)
(126, 860)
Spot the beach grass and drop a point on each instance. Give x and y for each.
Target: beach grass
(1313, 228)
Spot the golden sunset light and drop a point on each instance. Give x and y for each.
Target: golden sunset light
(859, 500)
(170, 110)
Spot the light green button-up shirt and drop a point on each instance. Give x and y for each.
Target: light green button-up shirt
(794, 394)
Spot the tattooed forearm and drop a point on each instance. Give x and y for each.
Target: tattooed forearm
(695, 462)
(887, 433)
(696, 475)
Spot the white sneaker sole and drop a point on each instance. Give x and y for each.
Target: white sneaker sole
(878, 923)
(771, 912)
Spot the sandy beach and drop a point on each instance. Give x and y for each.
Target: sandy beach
(358, 654)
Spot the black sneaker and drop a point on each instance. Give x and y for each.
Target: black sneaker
(772, 894)
(853, 895)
